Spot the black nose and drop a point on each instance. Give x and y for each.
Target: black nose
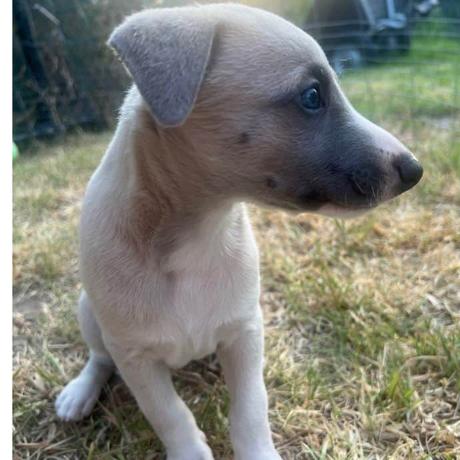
(409, 169)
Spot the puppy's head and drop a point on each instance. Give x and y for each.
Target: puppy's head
(257, 100)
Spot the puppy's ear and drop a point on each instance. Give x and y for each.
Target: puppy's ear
(166, 51)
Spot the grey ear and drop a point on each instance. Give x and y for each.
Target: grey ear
(166, 51)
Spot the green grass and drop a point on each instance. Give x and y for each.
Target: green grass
(417, 86)
(362, 317)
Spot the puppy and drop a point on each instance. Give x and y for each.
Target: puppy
(229, 104)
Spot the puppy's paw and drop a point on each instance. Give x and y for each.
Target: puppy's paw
(270, 454)
(77, 399)
(198, 451)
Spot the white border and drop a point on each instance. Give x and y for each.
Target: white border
(6, 56)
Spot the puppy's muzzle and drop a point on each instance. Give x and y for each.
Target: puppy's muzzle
(384, 167)
(370, 181)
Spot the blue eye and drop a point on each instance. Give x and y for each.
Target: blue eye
(311, 98)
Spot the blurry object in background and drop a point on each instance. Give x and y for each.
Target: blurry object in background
(63, 74)
(355, 31)
(424, 8)
(28, 62)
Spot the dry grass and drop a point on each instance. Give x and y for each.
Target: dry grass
(362, 320)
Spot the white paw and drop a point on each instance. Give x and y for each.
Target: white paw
(252, 454)
(77, 399)
(268, 456)
(198, 451)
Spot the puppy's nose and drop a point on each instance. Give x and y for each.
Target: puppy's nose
(409, 169)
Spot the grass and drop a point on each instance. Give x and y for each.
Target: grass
(362, 317)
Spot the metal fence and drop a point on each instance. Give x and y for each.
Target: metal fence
(65, 76)
(408, 77)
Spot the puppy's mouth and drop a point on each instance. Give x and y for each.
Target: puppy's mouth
(345, 197)
(325, 207)
(322, 202)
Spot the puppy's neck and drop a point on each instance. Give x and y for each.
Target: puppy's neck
(171, 196)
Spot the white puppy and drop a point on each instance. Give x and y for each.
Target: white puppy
(229, 104)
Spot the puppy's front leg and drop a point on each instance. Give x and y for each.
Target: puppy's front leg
(151, 384)
(242, 363)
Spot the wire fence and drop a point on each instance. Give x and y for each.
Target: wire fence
(415, 82)
(64, 75)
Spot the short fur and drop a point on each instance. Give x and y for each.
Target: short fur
(169, 262)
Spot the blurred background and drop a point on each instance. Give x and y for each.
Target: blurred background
(66, 77)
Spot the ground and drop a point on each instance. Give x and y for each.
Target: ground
(362, 317)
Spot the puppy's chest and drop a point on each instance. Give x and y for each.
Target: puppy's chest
(208, 308)
(200, 296)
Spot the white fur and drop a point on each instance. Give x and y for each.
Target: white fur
(150, 323)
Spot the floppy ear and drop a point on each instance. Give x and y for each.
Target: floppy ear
(166, 51)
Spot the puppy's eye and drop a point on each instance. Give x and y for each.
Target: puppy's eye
(311, 98)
